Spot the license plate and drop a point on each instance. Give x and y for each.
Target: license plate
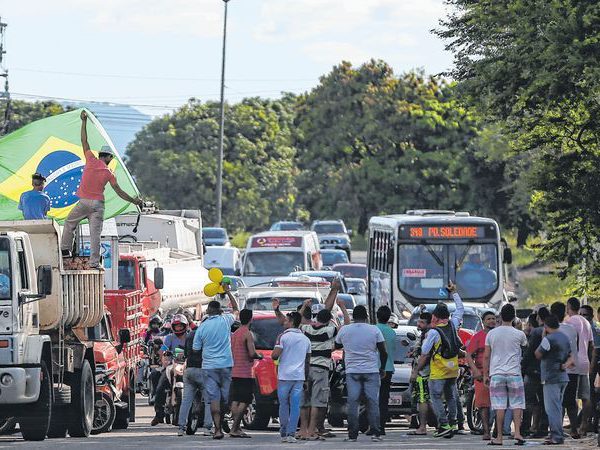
(395, 398)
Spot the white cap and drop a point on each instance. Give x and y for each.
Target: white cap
(107, 149)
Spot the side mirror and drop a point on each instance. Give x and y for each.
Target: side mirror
(349, 233)
(507, 256)
(124, 336)
(159, 278)
(411, 336)
(44, 280)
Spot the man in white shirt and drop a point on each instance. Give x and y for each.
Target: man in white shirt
(293, 353)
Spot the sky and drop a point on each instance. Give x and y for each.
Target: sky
(155, 54)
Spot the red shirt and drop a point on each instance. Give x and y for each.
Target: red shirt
(476, 347)
(95, 176)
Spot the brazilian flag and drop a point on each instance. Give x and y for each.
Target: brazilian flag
(52, 147)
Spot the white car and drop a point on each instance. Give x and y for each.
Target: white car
(228, 259)
(358, 288)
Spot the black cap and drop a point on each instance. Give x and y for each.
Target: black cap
(441, 311)
(38, 176)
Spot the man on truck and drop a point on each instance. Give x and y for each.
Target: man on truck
(35, 204)
(91, 197)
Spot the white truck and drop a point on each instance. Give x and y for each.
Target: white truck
(46, 360)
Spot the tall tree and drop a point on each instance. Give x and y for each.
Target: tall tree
(21, 113)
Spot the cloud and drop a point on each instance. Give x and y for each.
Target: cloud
(328, 52)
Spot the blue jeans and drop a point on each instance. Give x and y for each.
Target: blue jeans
(439, 389)
(367, 384)
(289, 394)
(192, 383)
(553, 398)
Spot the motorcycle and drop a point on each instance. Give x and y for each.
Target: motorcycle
(174, 373)
(151, 363)
(107, 398)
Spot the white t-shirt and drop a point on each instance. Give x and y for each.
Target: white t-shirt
(360, 347)
(295, 346)
(506, 345)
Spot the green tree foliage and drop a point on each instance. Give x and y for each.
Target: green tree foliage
(532, 67)
(174, 160)
(372, 142)
(21, 113)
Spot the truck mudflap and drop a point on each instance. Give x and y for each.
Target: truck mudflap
(22, 387)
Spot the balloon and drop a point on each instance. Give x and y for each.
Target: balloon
(215, 275)
(226, 280)
(211, 289)
(221, 289)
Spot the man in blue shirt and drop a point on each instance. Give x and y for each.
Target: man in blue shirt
(35, 204)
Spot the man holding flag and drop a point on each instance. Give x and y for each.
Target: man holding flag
(91, 197)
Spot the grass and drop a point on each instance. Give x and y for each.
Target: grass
(524, 256)
(544, 288)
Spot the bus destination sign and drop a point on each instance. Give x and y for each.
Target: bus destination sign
(443, 232)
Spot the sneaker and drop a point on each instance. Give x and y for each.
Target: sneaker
(156, 420)
(180, 432)
(443, 431)
(349, 439)
(291, 440)
(284, 439)
(376, 439)
(207, 432)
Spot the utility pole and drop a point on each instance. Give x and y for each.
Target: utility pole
(221, 127)
(4, 74)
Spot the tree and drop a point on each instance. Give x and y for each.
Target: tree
(532, 67)
(174, 159)
(21, 113)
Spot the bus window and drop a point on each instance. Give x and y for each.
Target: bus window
(421, 271)
(476, 269)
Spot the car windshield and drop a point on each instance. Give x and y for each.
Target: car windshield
(265, 333)
(352, 271)
(348, 301)
(402, 350)
(329, 228)
(285, 303)
(126, 275)
(290, 226)
(423, 270)
(272, 263)
(359, 286)
(5, 275)
(331, 258)
(213, 233)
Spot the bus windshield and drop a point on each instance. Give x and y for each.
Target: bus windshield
(263, 264)
(424, 269)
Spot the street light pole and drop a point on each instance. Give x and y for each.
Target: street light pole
(221, 127)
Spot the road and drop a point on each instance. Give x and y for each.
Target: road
(141, 435)
(359, 257)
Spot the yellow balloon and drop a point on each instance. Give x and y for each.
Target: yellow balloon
(215, 275)
(221, 289)
(211, 289)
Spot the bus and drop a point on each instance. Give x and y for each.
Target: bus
(411, 258)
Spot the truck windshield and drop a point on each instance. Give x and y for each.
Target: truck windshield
(264, 264)
(265, 333)
(5, 274)
(329, 228)
(424, 269)
(126, 275)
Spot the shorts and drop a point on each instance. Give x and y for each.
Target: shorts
(420, 390)
(507, 392)
(242, 390)
(216, 384)
(583, 387)
(570, 396)
(317, 393)
(482, 395)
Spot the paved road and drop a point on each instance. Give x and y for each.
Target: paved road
(142, 435)
(359, 257)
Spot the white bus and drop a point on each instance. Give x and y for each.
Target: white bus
(412, 256)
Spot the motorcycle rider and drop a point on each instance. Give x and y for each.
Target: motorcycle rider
(179, 327)
(154, 328)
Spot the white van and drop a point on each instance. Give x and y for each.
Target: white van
(277, 253)
(228, 259)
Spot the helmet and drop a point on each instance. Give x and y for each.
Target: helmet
(394, 319)
(179, 324)
(156, 320)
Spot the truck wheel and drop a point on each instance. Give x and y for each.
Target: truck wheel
(257, 416)
(82, 402)
(7, 426)
(35, 426)
(104, 414)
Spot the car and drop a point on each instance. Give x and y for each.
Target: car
(236, 282)
(228, 259)
(329, 275)
(333, 256)
(289, 299)
(358, 288)
(400, 401)
(352, 270)
(215, 236)
(333, 234)
(287, 226)
(303, 281)
(349, 301)
(471, 319)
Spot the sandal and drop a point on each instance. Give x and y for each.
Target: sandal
(520, 441)
(327, 434)
(414, 433)
(494, 443)
(549, 442)
(315, 438)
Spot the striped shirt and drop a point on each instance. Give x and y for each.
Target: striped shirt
(321, 339)
(243, 364)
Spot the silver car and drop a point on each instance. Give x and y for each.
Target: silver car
(400, 395)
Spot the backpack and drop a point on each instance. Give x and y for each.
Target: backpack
(451, 343)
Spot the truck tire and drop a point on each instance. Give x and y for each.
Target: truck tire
(35, 426)
(257, 416)
(82, 402)
(126, 415)
(104, 413)
(58, 422)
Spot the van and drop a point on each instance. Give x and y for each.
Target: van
(278, 253)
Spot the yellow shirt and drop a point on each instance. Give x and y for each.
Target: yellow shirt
(442, 369)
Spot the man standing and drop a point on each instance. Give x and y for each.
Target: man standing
(587, 312)
(585, 349)
(441, 348)
(214, 339)
(192, 380)
(242, 375)
(293, 353)
(475, 352)
(364, 369)
(420, 379)
(383, 316)
(502, 372)
(91, 197)
(555, 354)
(35, 204)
